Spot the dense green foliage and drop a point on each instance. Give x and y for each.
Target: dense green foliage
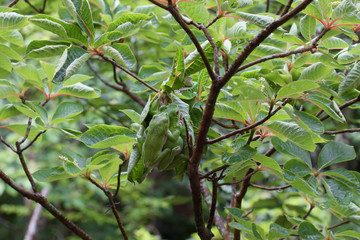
(184, 119)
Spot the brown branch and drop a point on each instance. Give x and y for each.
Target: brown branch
(267, 5)
(26, 169)
(348, 103)
(240, 196)
(241, 130)
(36, 197)
(287, 7)
(118, 179)
(177, 16)
(214, 20)
(159, 4)
(32, 141)
(113, 62)
(123, 88)
(270, 152)
(224, 125)
(343, 131)
(338, 225)
(260, 38)
(113, 206)
(305, 216)
(218, 220)
(13, 3)
(26, 133)
(7, 144)
(278, 55)
(248, 212)
(245, 178)
(213, 45)
(214, 171)
(270, 188)
(213, 203)
(33, 7)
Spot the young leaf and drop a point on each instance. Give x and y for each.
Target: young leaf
(294, 89)
(315, 72)
(71, 60)
(65, 111)
(307, 27)
(134, 116)
(79, 90)
(45, 48)
(329, 106)
(338, 191)
(351, 81)
(121, 53)
(307, 231)
(335, 152)
(293, 133)
(81, 12)
(104, 136)
(11, 20)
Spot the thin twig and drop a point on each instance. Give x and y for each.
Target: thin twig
(113, 206)
(33, 7)
(213, 45)
(32, 141)
(128, 72)
(13, 3)
(159, 4)
(270, 188)
(36, 197)
(213, 203)
(224, 125)
(7, 144)
(343, 131)
(118, 179)
(338, 225)
(26, 133)
(248, 212)
(267, 5)
(25, 168)
(287, 7)
(278, 55)
(214, 20)
(122, 88)
(214, 171)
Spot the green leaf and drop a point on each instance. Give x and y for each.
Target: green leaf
(52, 174)
(307, 27)
(65, 111)
(351, 81)
(14, 37)
(348, 233)
(338, 191)
(335, 152)
(76, 78)
(315, 72)
(176, 79)
(307, 231)
(195, 10)
(29, 72)
(71, 60)
(104, 136)
(311, 121)
(50, 24)
(277, 232)
(6, 90)
(293, 133)
(9, 52)
(294, 89)
(291, 149)
(334, 43)
(269, 163)
(254, 231)
(225, 111)
(67, 31)
(8, 111)
(244, 153)
(258, 20)
(28, 111)
(5, 63)
(346, 58)
(121, 53)
(11, 20)
(20, 129)
(45, 48)
(299, 168)
(329, 106)
(133, 18)
(81, 12)
(134, 116)
(79, 90)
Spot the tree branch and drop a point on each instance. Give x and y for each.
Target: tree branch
(348, 103)
(127, 71)
(123, 88)
(213, 45)
(287, 7)
(270, 188)
(36, 197)
(260, 38)
(175, 13)
(343, 131)
(159, 4)
(13, 3)
(113, 206)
